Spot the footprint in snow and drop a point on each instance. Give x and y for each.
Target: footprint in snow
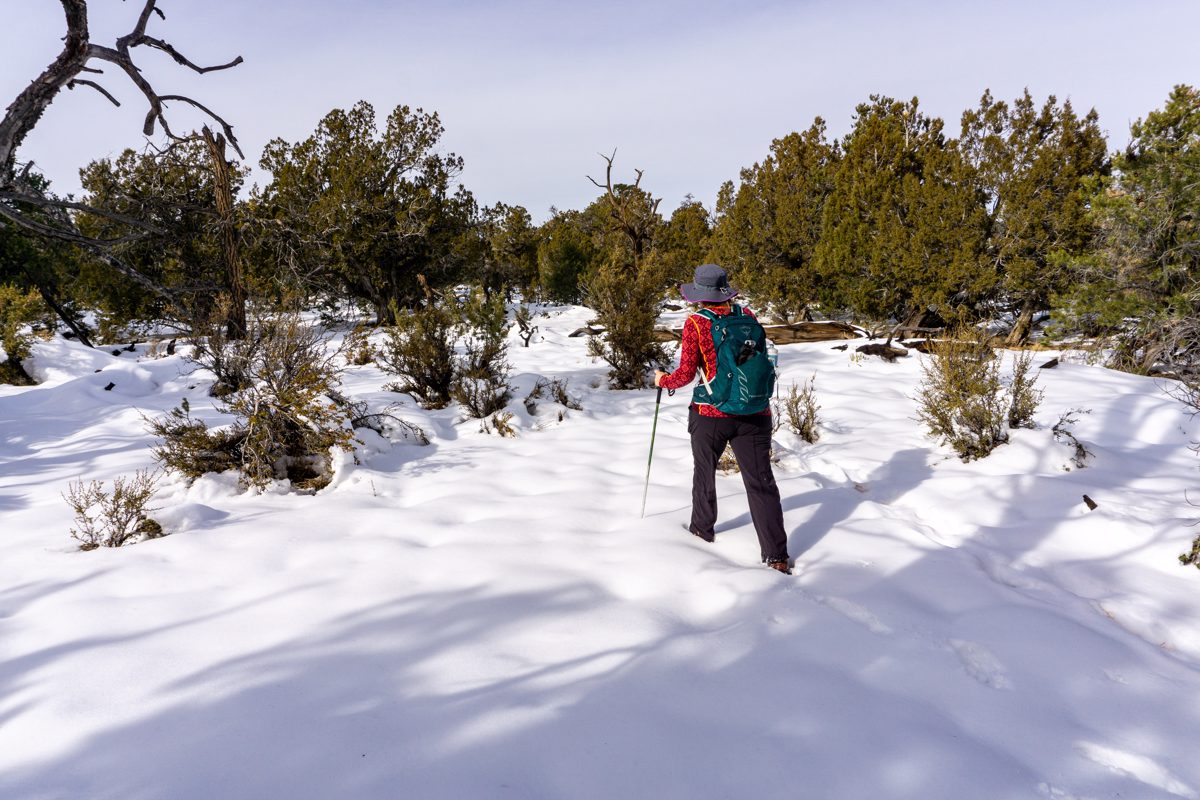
(855, 613)
(981, 664)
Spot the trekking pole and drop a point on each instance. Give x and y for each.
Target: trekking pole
(653, 430)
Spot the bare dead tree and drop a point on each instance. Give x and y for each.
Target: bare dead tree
(635, 213)
(22, 201)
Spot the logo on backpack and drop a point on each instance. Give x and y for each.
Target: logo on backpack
(745, 377)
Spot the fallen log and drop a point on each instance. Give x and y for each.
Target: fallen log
(811, 332)
(667, 335)
(793, 333)
(884, 351)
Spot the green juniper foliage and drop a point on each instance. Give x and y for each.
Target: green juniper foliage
(1140, 288)
(509, 250)
(626, 290)
(768, 229)
(683, 241)
(357, 210)
(17, 309)
(57, 271)
(902, 228)
(1034, 168)
(567, 256)
(173, 192)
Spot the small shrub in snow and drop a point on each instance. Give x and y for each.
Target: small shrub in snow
(1062, 433)
(189, 448)
(1192, 558)
(800, 410)
(104, 519)
(228, 359)
(358, 347)
(1024, 397)
(961, 398)
(420, 349)
(500, 424)
(286, 417)
(481, 373)
(555, 389)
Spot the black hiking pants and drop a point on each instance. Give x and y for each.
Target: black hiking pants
(750, 438)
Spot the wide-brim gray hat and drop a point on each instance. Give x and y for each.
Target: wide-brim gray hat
(710, 285)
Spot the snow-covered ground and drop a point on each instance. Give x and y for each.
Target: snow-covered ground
(489, 617)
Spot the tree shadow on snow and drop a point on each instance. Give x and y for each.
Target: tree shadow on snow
(836, 502)
(472, 693)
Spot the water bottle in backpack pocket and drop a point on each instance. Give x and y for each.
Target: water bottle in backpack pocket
(745, 377)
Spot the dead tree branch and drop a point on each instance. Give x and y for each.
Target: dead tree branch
(23, 114)
(635, 214)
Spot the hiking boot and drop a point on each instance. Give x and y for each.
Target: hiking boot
(780, 566)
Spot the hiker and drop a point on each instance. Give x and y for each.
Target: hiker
(712, 428)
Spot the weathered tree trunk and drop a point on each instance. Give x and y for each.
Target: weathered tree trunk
(25, 111)
(235, 281)
(1023, 325)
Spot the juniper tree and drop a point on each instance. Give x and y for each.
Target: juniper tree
(768, 228)
(25, 199)
(567, 256)
(368, 211)
(902, 228)
(51, 268)
(174, 190)
(628, 286)
(509, 249)
(684, 240)
(1033, 166)
(1142, 286)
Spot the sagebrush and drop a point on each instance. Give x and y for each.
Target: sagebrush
(800, 410)
(556, 389)
(112, 519)
(286, 418)
(962, 399)
(1023, 395)
(480, 384)
(419, 349)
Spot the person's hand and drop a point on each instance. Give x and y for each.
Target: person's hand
(658, 377)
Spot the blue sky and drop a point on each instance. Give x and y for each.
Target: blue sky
(531, 92)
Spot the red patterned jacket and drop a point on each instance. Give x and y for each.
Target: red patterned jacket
(699, 352)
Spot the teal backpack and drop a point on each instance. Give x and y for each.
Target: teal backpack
(745, 377)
